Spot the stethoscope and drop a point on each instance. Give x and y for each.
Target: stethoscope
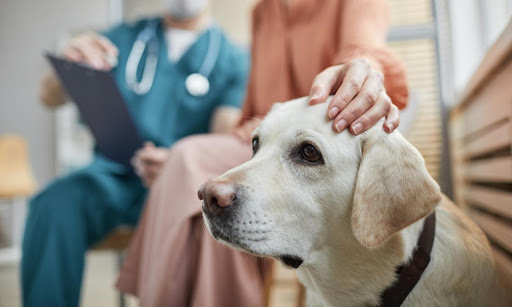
(197, 84)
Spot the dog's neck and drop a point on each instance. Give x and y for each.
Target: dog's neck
(349, 272)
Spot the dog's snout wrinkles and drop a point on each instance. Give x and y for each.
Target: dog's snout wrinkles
(217, 195)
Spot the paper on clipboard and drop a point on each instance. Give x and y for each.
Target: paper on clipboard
(102, 108)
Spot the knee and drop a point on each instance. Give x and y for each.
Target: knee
(188, 145)
(200, 146)
(61, 197)
(188, 150)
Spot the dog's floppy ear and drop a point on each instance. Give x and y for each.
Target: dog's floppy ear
(393, 188)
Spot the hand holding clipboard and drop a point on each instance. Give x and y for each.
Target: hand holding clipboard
(100, 103)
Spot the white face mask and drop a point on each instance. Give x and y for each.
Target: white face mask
(185, 9)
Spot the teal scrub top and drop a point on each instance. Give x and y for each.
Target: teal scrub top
(168, 112)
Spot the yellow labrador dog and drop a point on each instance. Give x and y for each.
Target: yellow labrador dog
(348, 212)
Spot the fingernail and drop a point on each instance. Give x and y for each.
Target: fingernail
(357, 128)
(313, 97)
(333, 112)
(341, 125)
(391, 127)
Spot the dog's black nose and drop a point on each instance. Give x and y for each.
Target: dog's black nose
(217, 195)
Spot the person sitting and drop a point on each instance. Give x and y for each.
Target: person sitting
(77, 210)
(299, 48)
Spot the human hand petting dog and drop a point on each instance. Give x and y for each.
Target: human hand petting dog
(360, 98)
(149, 161)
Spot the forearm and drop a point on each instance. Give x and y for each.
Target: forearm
(51, 92)
(363, 35)
(225, 119)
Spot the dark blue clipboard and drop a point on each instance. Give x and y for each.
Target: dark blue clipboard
(102, 108)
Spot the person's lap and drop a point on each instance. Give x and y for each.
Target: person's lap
(196, 159)
(172, 259)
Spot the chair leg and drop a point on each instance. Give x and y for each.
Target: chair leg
(120, 259)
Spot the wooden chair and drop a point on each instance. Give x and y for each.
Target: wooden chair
(16, 182)
(117, 241)
(16, 179)
(481, 149)
(282, 288)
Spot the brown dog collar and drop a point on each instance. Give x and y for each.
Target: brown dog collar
(409, 275)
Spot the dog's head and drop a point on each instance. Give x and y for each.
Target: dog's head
(307, 186)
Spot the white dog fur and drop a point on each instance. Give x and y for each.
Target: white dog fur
(354, 218)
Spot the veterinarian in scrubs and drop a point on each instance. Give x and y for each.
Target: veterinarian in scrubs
(76, 211)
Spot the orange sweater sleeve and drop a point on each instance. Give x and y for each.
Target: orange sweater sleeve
(363, 30)
(248, 110)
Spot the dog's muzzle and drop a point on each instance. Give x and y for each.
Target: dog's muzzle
(223, 212)
(217, 196)
(219, 211)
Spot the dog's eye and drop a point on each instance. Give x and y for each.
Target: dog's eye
(310, 153)
(255, 144)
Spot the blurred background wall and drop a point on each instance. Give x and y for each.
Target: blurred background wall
(27, 28)
(475, 25)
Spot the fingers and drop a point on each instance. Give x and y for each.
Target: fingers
(324, 83)
(91, 49)
(153, 155)
(150, 172)
(352, 84)
(106, 45)
(149, 144)
(360, 100)
(73, 54)
(392, 119)
(110, 51)
(149, 161)
(90, 53)
(152, 160)
(380, 109)
(365, 98)
(137, 164)
(93, 55)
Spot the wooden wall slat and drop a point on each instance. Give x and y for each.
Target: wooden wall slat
(496, 230)
(504, 270)
(481, 125)
(487, 106)
(492, 170)
(496, 201)
(494, 139)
